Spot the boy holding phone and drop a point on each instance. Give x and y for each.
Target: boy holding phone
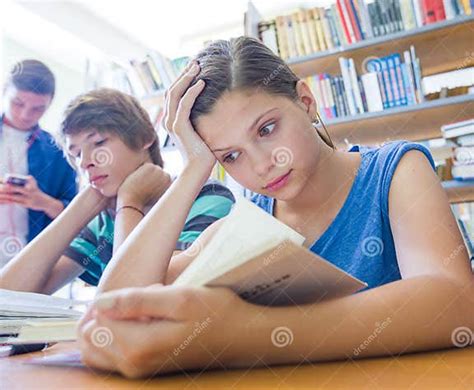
(36, 182)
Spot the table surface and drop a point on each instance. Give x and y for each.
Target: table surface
(446, 369)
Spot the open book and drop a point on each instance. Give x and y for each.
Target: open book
(30, 318)
(263, 261)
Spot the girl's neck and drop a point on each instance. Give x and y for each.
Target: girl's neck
(335, 171)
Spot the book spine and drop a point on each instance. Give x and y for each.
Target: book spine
(338, 24)
(406, 82)
(319, 29)
(281, 37)
(331, 103)
(332, 27)
(388, 85)
(361, 8)
(440, 13)
(344, 21)
(326, 29)
(400, 79)
(355, 86)
(343, 63)
(337, 110)
(418, 12)
(300, 49)
(305, 32)
(417, 74)
(354, 20)
(313, 38)
(291, 37)
(372, 91)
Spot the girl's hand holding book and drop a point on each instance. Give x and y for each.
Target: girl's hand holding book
(160, 329)
(180, 98)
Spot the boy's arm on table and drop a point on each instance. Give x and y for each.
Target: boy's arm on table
(138, 262)
(41, 266)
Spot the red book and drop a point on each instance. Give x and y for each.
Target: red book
(343, 21)
(439, 10)
(352, 18)
(428, 11)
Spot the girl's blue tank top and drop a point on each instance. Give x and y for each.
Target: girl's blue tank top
(359, 240)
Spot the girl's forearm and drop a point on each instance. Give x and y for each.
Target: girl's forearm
(409, 315)
(144, 256)
(31, 268)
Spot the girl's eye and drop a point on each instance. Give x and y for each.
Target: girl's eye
(266, 130)
(101, 142)
(231, 157)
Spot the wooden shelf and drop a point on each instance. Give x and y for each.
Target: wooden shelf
(459, 191)
(414, 123)
(441, 46)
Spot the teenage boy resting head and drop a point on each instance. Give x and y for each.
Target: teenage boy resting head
(109, 139)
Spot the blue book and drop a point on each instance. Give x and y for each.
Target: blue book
(356, 17)
(387, 82)
(409, 92)
(400, 82)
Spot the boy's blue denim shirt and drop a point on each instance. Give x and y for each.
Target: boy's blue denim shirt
(54, 175)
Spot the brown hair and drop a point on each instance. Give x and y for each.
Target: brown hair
(32, 76)
(242, 63)
(109, 110)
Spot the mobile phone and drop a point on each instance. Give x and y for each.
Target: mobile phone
(16, 180)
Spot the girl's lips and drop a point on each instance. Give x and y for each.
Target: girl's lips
(279, 182)
(97, 180)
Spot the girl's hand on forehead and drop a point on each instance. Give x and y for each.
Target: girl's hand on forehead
(179, 100)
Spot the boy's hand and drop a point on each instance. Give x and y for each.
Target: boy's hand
(144, 186)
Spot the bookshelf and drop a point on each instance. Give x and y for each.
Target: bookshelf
(414, 123)
(459, 191)
(441, 46)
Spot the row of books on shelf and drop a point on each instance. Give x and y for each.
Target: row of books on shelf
(151, 75)
(454, 153)
(387, 82)
(307, 31)
(464, 214)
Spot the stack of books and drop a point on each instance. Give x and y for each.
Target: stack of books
(462, 133)
(27, 318)
(308, 31)
(387, 82)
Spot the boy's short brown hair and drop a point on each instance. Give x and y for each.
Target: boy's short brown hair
(109, 110)
(32, 76)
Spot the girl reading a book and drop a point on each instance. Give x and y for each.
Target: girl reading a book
(111, 141)
(378, 213)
